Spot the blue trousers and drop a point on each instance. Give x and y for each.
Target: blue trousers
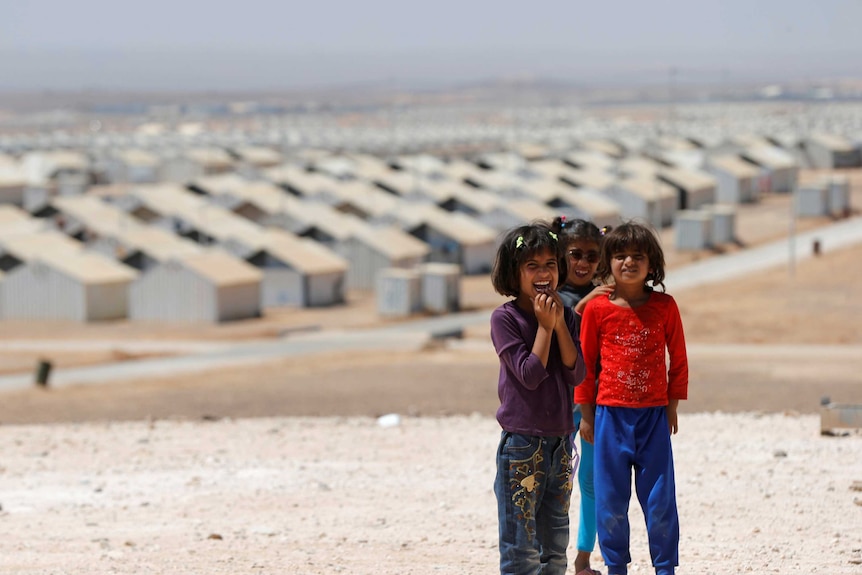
(626, 440)
(587, 513)
(533, 488)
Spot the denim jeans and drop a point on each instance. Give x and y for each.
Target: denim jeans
(533, 488)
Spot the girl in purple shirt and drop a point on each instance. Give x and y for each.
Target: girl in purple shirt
(536, 339)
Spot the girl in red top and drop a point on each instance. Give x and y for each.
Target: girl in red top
(631, 411)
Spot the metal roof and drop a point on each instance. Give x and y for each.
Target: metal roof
(221, 268)
(137, 157)
(528, 210)
(258, 155)
(103, 218)
(461, 227)
(89, 267)
(158, 243)
(769, 157)
(27, 246)
(392, 241)
(688, 179)
(210, 157)
(10, 213)
(833, 142)
(734, 165)
(648, 188)
(302, 253)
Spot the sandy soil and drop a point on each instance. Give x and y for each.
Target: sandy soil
(227, 472)
(757, 494)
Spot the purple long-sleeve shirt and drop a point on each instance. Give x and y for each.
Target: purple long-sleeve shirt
(534, 399)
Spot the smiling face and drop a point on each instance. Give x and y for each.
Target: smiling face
(630, 267)
(583, 258)
(538, 274)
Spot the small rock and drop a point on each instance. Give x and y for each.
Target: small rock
(779, 453)
(215, 536)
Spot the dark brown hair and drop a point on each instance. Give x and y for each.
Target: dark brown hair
(576, 229)
(517, 246)
(628, 236)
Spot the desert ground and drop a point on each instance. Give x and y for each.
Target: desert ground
(288, 467)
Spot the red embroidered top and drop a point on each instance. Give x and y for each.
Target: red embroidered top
(633, 344)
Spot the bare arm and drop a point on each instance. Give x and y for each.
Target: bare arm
(672, 417)
(600, 290)
(588, 421)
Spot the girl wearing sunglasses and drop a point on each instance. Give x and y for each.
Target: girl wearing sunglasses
(582, 241)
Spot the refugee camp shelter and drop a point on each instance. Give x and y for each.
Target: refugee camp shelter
(298, 271)
(694, 187)
(830, 151)
(368, 250)
(778, 168)
(74, 286)
(208, 287)
(737, 181)
(647, 199)
(453, 238)
(133, 166)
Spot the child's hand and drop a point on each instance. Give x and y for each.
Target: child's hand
(597, 291)
(545, 308)
(672, 417)
(586, 431)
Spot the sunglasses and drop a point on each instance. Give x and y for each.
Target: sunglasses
(591, 257)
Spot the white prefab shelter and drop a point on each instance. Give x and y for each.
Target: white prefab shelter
(299, 182)
(695, 188)
(257, 157)
(133, 166)
(737, 180)
(74, 286)
(298, 271)
(19, 248)
(399, 292)
(828, 151)
(208, 287)
(839, 195)
(13, 184)
(440, 287)
(195, 162)
(453, 238)
(779, 170)
(593, 206)
(645, 199)
(516, 212)
(369, 250)
(693, 230)
(723, 223)
(812, 199)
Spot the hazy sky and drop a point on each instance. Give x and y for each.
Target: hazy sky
(262, 44)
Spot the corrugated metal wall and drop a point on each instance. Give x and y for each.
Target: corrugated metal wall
(238, 301)
(170, 292)
(282, 287)
(478, 258)
(107, 301)
(36, 291)
(325, 289)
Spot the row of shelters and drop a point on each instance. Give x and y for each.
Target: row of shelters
(302, 234)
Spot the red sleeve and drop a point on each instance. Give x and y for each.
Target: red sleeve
(586, 391)
(677, 375)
